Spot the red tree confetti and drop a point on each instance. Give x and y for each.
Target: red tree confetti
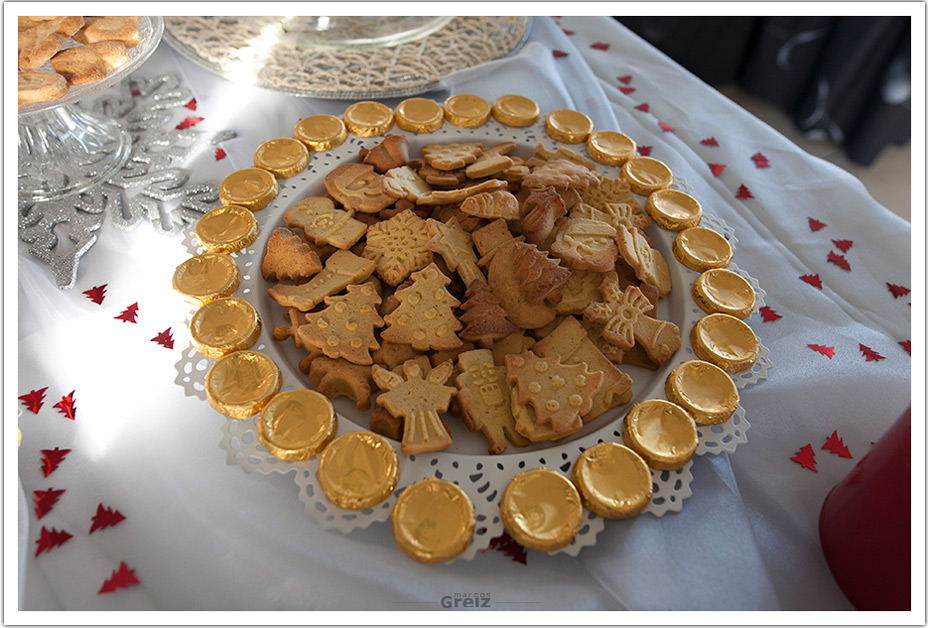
(838, 260)
(768, 314)
(812, 280)
(105, 517)
(643, 107)
(188, 122)
(67, 406)
(49, 539)
(34, 400)
(129, 314)
(136, 92)
(743, 192)
(716, 168)
(120, 579)
(51, 458)
(762, 164)
(165, 339)
(626, 90)
(220, 154)
(599, 46)
(567, 32)
(870, 354)
(844, 245)
(806, 457)
(709, 141)
(666, 128)
(625, 79)
(898, 291)
(760, 161)
(192, 105)
(815, 225)
(907, 345)
(644, 151)
(836, 445)
(505, 544)
(96, 294)
(44, 500)
(558, 54)
(827, 351)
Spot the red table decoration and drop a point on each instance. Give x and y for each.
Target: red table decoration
(120, 579)
(828, 351)
(44, 500)
(838, 260)
(66, 406)
(768, 314)
(716, 168)
(50, 539)
(165, 339)
(96, 294)
(870, 354)
(812, 280)
(51, 458)
(129, 314)
(743, 192)
(835, 445)
(815, 225)
(897, 291)
(34, 400)
(188, 122)
(805, 457)
(105, 518)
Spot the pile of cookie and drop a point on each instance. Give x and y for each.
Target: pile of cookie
(80, 50)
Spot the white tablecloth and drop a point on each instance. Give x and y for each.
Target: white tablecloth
(203, 535)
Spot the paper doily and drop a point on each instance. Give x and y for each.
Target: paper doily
(273, 53)
(482, 476)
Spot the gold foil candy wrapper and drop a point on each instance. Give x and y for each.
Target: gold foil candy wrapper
(725, 291)
(613, 481)
(240, 384)
(673, 210)
(251, 188)
(541, 510)
(206, 277)
(223, 326)
(568, 126)
(226, 229)
(297, 424)
(467, 110)
(513, 110)
(701, 249)
(283, 157)
(704, 390)
(358, 470)
(320, 132)
(419, 115)
(433, 521)
(646, 175)
(368, 118)
(610, 147)
(725, 341)
(661, 432)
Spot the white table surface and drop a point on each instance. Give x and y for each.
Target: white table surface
(203, 535)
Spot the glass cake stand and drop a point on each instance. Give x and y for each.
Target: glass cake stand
(64, 150)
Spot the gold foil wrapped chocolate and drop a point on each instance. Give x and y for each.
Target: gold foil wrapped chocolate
(568, 126)
(358, 470)
(646, 175)
(725, 291)
(541, 510)
(283, 157)
(513, 110)
(466, 110)
(610, 147)
(433, 521)
(704, 390)
(320, 132)
(223, 326)
(419, 115)
(613, 481)
(725, 341)
(661, 432)
(206, 277)
(251, 188)
(700, 249)
(368, 118)
(240, 384)
(226, 229)
(673, 209)
(297, 424)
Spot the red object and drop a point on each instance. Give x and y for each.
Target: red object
(600, 46)
(844, 245)
(665, 127)
(188, 122)
(105, 518)
(567, 32)
(558, 54)
(220, 154)
(709, 141)
(907, 345)
(838, 260)
(34, 400)
(192, 105)
(870, 354)
(643, 107)
(51, 458)
(865, 524)
(806, 457)
(44, 500)
(165, 339)
(644, 151)
(66, 406)
(761, 164)
(505, 544)
(812, 280)
(50, 539)
(898, 291)
(626, 79)
(626, 90)
(768, 314)
(835, 445)
(129, 314)
(96, 294)
(815, 225)
(829, 351)
(716, 168)
(120, 579)
(744, 192)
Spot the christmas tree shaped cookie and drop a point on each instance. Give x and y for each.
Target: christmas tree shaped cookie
(345, 328)
(425, 316)
(419, 400)
(485, 317)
